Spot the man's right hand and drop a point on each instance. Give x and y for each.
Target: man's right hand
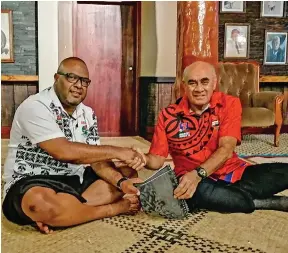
(138, 164)
(131, 157)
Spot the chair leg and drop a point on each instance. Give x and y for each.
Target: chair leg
(277, 135)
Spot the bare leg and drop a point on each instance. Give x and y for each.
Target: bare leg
(46, 207)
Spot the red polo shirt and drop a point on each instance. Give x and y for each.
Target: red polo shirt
(191, 139)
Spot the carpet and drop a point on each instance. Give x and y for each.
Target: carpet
(200, 232)
(262, 145)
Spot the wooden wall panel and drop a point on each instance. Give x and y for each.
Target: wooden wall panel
(20, 94)
(32, 89)
(154, 96)
(7, 104)
(12, 95)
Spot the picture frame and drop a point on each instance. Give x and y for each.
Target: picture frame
(274, 9)
(237, 41)
(232, 7)
(7, 45)
(275, 48)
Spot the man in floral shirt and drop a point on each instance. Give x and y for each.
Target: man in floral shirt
(55, 162)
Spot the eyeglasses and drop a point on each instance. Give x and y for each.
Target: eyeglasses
(72, 78)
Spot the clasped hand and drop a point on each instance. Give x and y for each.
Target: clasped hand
(132, 157)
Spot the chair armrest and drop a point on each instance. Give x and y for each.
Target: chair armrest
(268, 99)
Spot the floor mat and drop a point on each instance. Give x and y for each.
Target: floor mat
(201, 232)
(262, 145)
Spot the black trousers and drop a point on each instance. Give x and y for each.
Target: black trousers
(259, 181)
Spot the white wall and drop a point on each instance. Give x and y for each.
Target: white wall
(158, 38)
(65, 28)
(47, 42)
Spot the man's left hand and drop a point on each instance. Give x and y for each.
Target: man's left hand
(187, 186)
(128, 187)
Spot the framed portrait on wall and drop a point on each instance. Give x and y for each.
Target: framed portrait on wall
(275, 48)
(232, 6)
(272, 9)
(236, 41)
(7, 54)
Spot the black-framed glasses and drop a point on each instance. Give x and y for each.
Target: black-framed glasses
(73, 78)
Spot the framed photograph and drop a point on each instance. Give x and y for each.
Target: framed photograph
(232, 6)
(275, 48)
(272, 9)
(237, 41)
(7, 54)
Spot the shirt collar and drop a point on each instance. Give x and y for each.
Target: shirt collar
(79, 109)
(215, 100)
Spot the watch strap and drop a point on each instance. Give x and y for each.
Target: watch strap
(120, 181)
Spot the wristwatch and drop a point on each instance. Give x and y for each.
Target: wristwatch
(120, 181)
(201, 172)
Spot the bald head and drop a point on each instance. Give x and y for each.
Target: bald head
(199, 66)
(200, 82)
(70, 63)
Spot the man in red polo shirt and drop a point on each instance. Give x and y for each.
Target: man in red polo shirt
(201, 131)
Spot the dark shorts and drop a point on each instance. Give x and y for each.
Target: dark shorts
(66, 184)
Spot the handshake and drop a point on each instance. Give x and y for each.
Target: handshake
(132, 157)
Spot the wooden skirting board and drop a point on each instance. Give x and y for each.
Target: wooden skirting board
(273, 79)
(19, 78)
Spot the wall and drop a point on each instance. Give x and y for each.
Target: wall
(158, 39)
(47, 42)
(25, 38)
(158, 61)
(257, 34)
(65, 37)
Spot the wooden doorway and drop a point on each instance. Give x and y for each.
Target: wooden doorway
(106, 37)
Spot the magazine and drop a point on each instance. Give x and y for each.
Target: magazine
(156, 195)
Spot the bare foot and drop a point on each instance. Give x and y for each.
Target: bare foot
(44, 228)
(131, 203)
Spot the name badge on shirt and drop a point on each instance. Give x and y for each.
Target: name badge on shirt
(183, 130)
(215, 123)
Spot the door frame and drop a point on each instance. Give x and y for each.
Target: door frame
(137, 48)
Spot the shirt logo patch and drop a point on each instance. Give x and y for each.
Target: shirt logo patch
(183, 130)
(183, 127)
(84, 130)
